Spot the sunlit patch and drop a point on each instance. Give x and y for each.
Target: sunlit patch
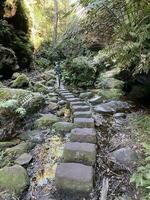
(50, 153)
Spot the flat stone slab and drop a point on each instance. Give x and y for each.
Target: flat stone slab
(78, 103)
(84, 122)
(69, 96)
(80, 108)
(74, 177)
(84, 153)
(24, 159)
(83, 135)
(83, 114)
(72, 99)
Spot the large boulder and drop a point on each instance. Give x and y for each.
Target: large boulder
(46, 121)
(124, 156)
(63, 127)
(21, 81)
(19, 149)
(32, 102)
(14, 179)
(112, 107)
(113, 93)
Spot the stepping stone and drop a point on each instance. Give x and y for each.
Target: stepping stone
(80, 108)
(83, 135)
(84, 114)
(69, 96)
(84, 122)
(24, 159)
(72, 99)
(74, 177)
(78, 103)
(84, 153)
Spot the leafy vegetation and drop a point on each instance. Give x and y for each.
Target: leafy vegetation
(11, 112)
(142, 176)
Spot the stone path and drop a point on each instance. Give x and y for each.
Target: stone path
(76, 173)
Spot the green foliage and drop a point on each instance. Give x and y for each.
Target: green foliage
(142, 176)
(11, 113)
(79, 72)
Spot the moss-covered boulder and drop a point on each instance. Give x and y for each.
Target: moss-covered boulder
(52, 106)
(114, 94)
(15, 75)
(32, 102)
(19, 149)
(39, 87)
(21, 81)
(48, 75)
(111, 83)
(46, 121)
(63, 127)
(10, 143)
(14, 179)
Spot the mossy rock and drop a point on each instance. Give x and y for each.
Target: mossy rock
(113, 94)
(21, 81)
(39, 87)
(111, 83)
(48, 75)
(19, 149)
(46, 121)
(14, 179)
(63, 127)
(7, 144)
(15, 75)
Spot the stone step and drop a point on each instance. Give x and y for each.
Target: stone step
(72, 99)
(83, 135)
(80, 108)
(84, 153)
(78, 103)
(74, 177)
(83, 114)
(84, 122)
(69, 96)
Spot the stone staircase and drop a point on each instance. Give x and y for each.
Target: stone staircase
(76, 174)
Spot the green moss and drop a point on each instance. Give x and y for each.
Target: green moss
(14, 179)
(114, 94)
(46, 121)
(21, 81)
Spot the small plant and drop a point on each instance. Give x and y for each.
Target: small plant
(142, 176)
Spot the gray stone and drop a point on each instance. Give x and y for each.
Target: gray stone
(35, 136)
(24, 159)
(125, 156)
(119, 115)
(14, 179)
(84, 122)
(78, 103)
(83, 135)
(52, 106)
(84, 114)
(74, 177)
(84, 153)
(96, 100)
(72, 99)
(80, 108)
(62, 102)
(86, 95)
(112, 107)
(69, 96)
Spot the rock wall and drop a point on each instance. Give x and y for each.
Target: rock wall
(14, 29)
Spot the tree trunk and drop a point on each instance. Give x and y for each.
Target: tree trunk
(55, 33)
